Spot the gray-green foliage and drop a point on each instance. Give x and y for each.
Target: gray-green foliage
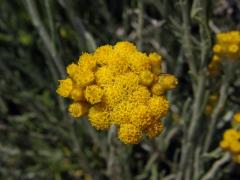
(38, 38)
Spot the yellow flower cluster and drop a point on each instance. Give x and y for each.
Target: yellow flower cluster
(236, 120)
(231, 138)
(118, 85)
(236, 117)
(227, 47)
(231, 143)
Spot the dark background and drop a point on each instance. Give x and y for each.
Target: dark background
(38, 38)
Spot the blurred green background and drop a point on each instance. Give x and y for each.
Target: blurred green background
(38, 38)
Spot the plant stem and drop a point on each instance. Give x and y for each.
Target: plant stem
(187, 145)
(140, 24)
(216, 166)
(31, 7)
(215, 114)
(197, 108)
(187, 44)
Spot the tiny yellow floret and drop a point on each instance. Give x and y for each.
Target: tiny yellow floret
(155, 60)
(224, 144)
(217, 48)
(158, 106)
(93, 94)
(146, 78)
(168, 81)
(77, 94)
(65, 87)
(125, 48)
(158, 89)
(129, 134)
(141, 117)
(72, 69)
(83, 78)
(78, 109)
(87, 62)
(236, 117)
(215, 59)
(155, 130)
(99, 117)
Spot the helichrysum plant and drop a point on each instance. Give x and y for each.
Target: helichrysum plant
(119, 85)
(227, 47)
(231, 139)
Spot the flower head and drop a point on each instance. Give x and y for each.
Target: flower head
(93, 94)
(65, 87)
(236, 117)
(231, 143)
(129, 134)
(227, 47)
(78, 109)
(154, 130)
(99, 117)
(119, 85)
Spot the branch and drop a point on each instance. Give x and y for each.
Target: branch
(85, 39)
(140, 24)
(216, 166)
(215, 114)
(44, 36)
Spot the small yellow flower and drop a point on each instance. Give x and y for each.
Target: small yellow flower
(217, 48)
(129, 134)
(78, 109)
(141, 117)
(104, 55)
(114, 95)
(139, 62)
(231, 143)
(233, 48)
(227, 46)
(224, 144)
(104, 76)
(230, 134)
(154, 130)
(121, 112)
(99, 117)
(72, 69)
(146, 78)
(235, 147)
(236, 117)
(155, 60)
(125, 48)
(215, 59)
(87, 62)
(77, 94)
(158, 89)
(83, 78)
(168, 81)
(158, 106)
(141, 95)
(65, 87)
(93, 94)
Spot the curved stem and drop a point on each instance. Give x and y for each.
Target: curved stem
(216, 166)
